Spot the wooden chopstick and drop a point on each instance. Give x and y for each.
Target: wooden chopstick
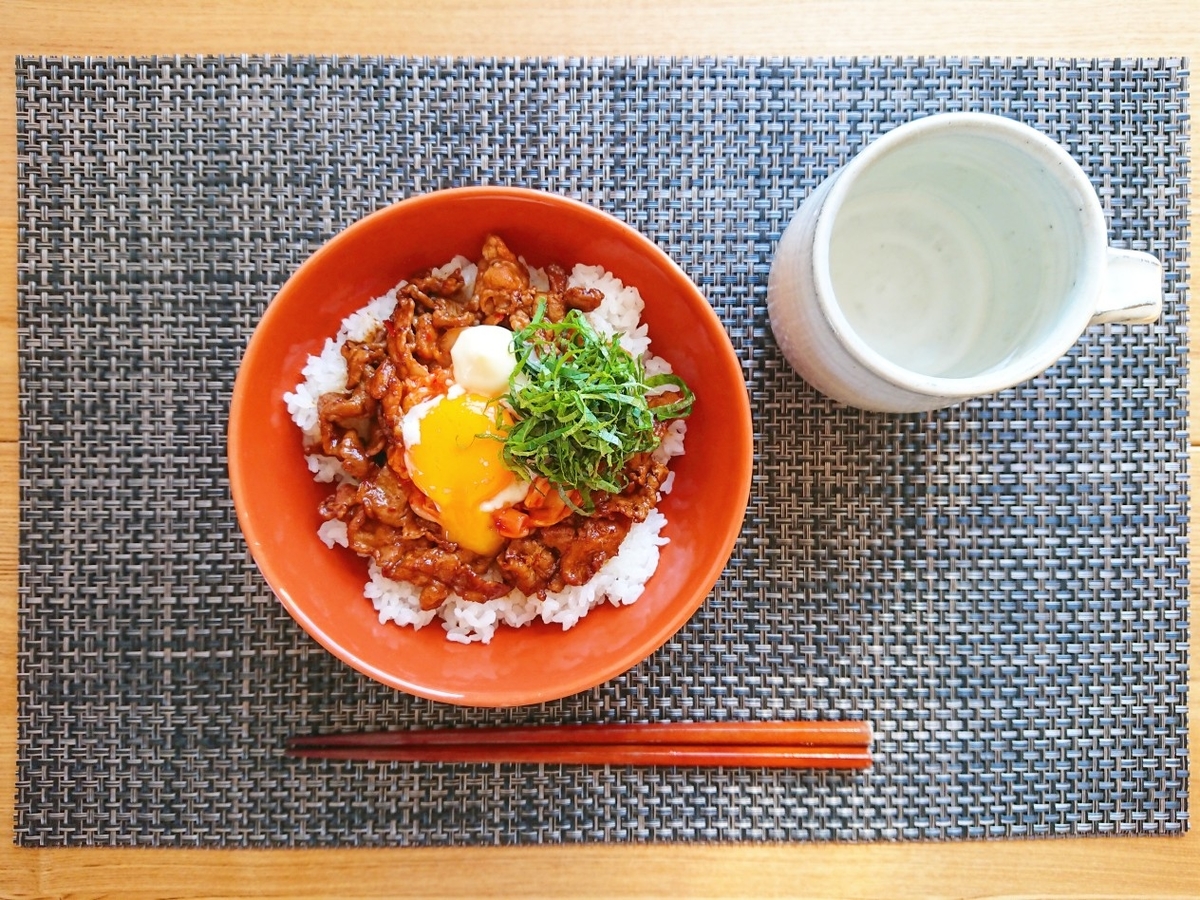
(609, 754)
(810, 734)
(817, 745)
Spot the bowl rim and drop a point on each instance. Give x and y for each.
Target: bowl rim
(739, 470)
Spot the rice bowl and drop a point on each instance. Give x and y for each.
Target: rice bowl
(275, 494)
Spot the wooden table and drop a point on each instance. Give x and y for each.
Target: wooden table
(1115, 867)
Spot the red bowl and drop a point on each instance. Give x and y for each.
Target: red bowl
(276, 498)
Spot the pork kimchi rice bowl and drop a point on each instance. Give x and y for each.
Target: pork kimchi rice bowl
(496, 438)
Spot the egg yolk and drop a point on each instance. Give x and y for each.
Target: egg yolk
(460, 469)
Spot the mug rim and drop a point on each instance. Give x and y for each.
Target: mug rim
(1070, 325)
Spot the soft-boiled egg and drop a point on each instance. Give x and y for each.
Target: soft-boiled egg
(452, 442)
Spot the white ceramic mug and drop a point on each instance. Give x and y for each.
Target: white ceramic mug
(953, 257)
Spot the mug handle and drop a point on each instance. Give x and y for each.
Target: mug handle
(1133, 290)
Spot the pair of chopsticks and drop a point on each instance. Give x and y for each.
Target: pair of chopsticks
(791, 745)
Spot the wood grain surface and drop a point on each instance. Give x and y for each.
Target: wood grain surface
(1144, 867)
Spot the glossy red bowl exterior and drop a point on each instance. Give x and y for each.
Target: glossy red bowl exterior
(276, 498)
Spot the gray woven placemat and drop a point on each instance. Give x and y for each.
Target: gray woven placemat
(1000, 587)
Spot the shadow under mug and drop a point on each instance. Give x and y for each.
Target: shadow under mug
(953, 257)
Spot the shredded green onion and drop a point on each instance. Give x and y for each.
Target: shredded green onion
(579, 407)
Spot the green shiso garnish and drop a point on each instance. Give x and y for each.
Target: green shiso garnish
(579, 408)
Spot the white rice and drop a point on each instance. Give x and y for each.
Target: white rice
(620, 580)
